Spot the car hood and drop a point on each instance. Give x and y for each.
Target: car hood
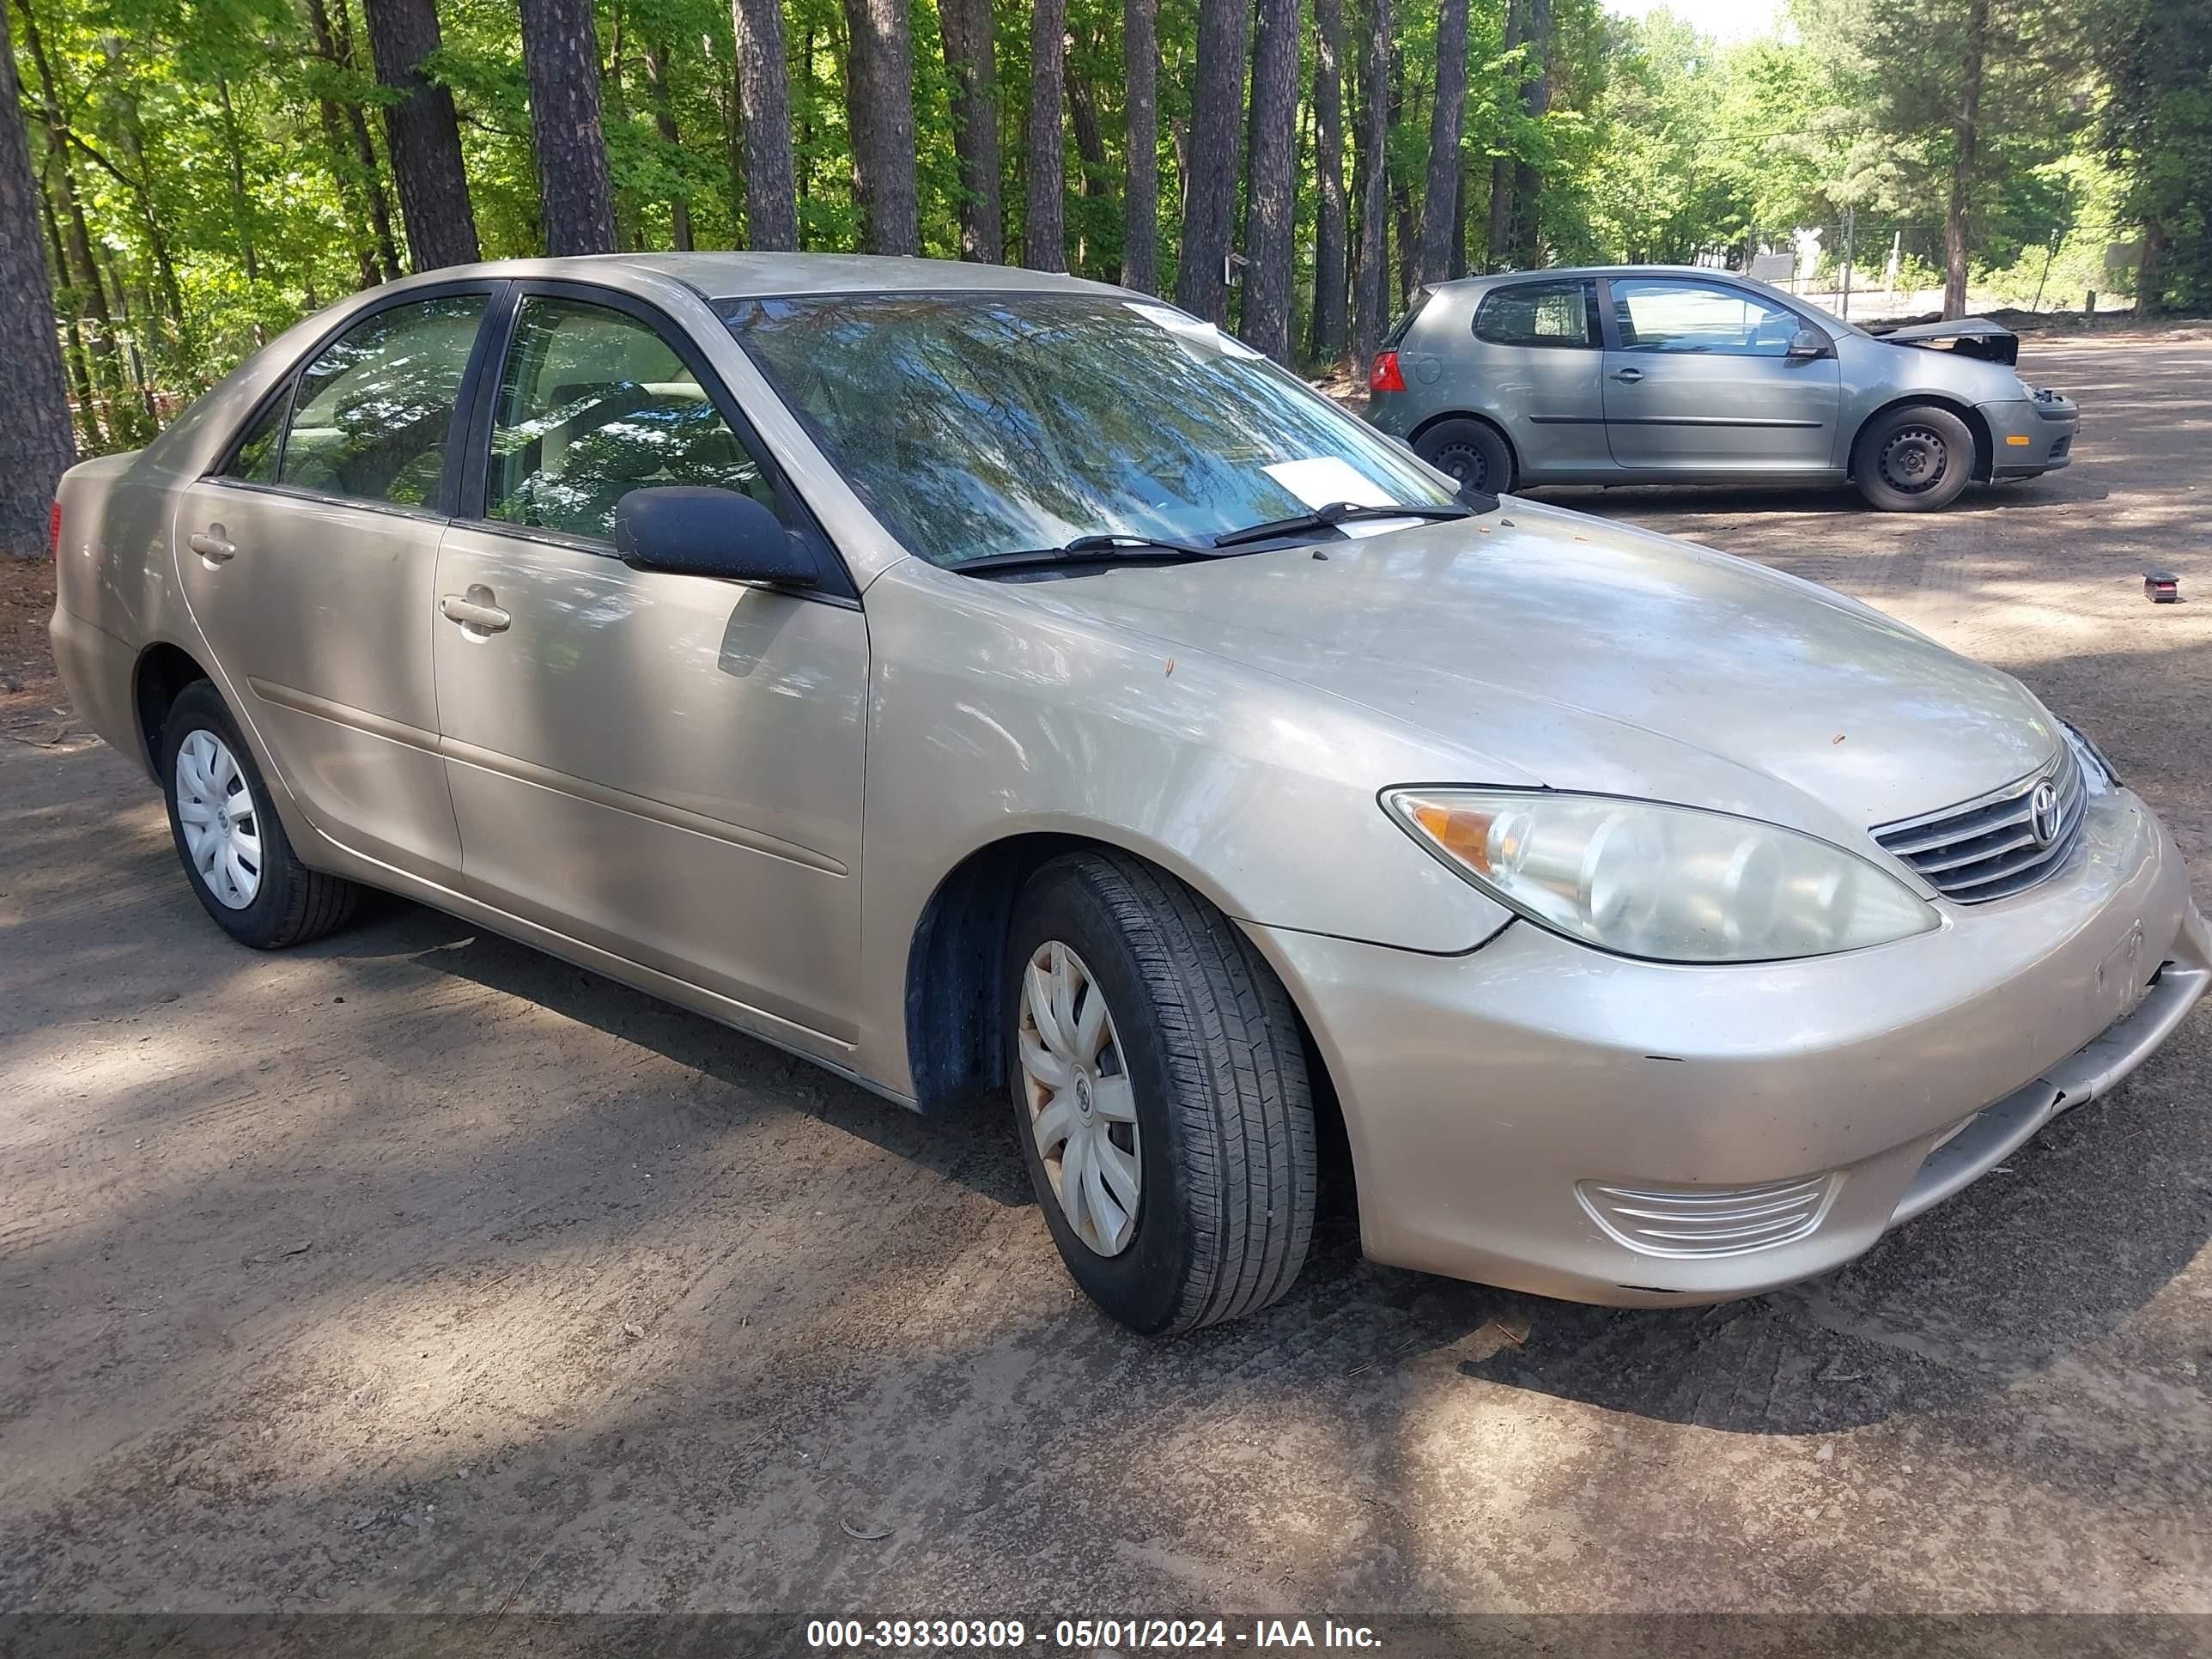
(1536, 646)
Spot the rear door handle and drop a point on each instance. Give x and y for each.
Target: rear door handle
(1628, 376)
(210, 545)
(475, 614)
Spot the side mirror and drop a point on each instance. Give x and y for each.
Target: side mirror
(692, 529)
(1808, 344)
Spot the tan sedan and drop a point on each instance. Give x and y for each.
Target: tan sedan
(971, 679)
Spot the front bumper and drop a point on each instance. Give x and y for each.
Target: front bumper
(2032, 436)
(1549, 1118)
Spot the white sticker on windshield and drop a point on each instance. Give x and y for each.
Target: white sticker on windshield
(1322, 479)
(1189, 328)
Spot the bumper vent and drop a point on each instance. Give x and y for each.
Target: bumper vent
(2001, 844)
(1695, 1221)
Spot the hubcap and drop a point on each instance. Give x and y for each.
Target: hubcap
(222, 832)
(1083, 1110)
(1914, 459)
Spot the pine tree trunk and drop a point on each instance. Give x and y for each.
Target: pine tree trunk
(36, 445)
(1044, 225)
(1331, 300)
(1527, 251)
(1141, 197)
(80, 369)
(1090, 148)
(424, 136)
(560, 54)
(1964, 158)
(880, 113)
(1271, 193)
(1371, 175)
(971, 57)
(764, 113)
(364, 149)
(1210, 195)
(1498, 246)
(1440, 199)
(664, 124)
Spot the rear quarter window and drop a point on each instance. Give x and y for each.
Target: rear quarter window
(1558, 314)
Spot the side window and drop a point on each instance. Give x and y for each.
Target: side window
(370, 416)
(1539, 314)
(255, 458)
(593, 403)
(1669, 316)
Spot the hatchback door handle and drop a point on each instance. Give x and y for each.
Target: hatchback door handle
(1629, 376)
(210, 545)
(474, 613)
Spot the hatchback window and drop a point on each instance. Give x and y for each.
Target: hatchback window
(594, 403)
(1539, 314)
(1405, 323)
(1658, 315)
(371, 414)
(975, 424)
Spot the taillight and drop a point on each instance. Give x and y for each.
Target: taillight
(1384, 376)
(54, 531)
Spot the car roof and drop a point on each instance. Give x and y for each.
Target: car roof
(759, 275)
(1713, 273)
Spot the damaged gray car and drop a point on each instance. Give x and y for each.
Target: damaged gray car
(1666, 374)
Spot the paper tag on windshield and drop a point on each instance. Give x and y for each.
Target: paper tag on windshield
(1326, 479)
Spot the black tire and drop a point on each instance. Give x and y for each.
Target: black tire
(292, 903)
(1913, 460)
(1224, 1107)
(1472, 452)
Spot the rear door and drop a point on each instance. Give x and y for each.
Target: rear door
(309, 558)
(666, 767)
(1538, 359)
(1699, 379)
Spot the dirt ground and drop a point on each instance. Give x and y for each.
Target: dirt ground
(415, 1271)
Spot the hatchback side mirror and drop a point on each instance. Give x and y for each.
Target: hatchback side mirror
(1808, 343)
(694, 530)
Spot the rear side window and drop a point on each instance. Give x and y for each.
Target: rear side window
(1540, 314)
(371, 414)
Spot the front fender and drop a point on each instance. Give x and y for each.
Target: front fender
(991, 717)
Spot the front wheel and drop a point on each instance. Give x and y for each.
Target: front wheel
(1160, 1088)
(1913, 460)
(234, 850)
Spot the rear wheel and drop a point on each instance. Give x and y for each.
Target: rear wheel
(1160, 1088)
(1913, 460)
(233, 848)
(1471, 451)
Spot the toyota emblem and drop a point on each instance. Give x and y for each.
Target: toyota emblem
(2043, 813)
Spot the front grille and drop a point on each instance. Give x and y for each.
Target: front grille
(1989, 849)
(1682, 1221)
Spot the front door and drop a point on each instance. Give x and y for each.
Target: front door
(308, 559)
(1699, 381)
(666, 767)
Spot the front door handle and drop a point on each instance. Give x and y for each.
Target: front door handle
(1628, 376)
(476, 613)
(211, 545)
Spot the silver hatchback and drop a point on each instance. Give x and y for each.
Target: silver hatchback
(1637, 374)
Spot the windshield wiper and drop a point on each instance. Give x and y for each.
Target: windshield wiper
(1327, 517)
(1112, 549)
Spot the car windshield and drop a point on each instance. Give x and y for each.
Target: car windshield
(982, 424)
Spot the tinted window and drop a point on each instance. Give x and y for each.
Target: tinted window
(594, 403)
(1672, 316)
(371, 414)
(974, 424)
(1539, 314)
(256, 456)
(1421, 298)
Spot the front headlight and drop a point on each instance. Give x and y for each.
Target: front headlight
(1672, 884)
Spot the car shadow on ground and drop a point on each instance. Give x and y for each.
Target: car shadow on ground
(2056, 490)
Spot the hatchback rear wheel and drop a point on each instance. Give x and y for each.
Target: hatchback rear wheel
(1913, 460)
(233, 848)
(1472, 452)
(1160, 1088)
